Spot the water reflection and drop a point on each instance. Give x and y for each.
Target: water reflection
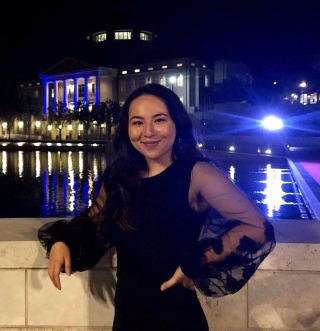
(272, 187)
(4, 162)
(20, 163)
(45, 184)
(62, 183)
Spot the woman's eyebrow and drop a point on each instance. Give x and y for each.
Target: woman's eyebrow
(135, 117)
(141, 117)
(160, 114)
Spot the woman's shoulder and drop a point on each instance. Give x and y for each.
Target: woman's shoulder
(205, 166)
(205, 172)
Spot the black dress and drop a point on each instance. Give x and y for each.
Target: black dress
(166, 233)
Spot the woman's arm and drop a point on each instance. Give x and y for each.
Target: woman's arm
(80, 235)
(232, 246)
(215, 190)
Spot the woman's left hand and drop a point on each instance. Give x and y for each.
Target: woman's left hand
(178, 278)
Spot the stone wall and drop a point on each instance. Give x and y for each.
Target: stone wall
(282, 295)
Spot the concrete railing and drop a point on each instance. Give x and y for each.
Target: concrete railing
(282, 295)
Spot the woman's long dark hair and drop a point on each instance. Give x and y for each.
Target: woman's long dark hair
(122, 176)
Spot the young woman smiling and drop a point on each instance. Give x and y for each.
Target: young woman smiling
(153, 207)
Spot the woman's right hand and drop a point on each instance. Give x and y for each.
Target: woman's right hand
(59, 257)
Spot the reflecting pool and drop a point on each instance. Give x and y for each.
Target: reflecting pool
(63, 183)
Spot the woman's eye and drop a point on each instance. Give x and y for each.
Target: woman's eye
(160, 119)
(136, 123)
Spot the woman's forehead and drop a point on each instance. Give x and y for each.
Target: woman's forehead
(147, 104)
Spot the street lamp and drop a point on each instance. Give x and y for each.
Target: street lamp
(303, 96)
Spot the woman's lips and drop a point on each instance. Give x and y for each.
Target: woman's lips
(150, 143)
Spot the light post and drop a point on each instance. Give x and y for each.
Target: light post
(303, 97)
(49, 129)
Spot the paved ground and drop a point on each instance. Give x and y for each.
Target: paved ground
(306, 168)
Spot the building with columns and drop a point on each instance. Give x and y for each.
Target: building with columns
(70, 81)
(101, 75)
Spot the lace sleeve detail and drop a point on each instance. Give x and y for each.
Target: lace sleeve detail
(80, 235)
(229, 275)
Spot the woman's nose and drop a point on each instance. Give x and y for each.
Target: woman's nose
(149, 129)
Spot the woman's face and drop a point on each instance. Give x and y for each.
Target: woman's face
(151, 129)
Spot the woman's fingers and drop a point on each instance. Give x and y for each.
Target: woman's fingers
(54, 270)
(59, 257)
(178, 278)
(168, 284)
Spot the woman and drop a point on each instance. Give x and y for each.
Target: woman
(155, 198)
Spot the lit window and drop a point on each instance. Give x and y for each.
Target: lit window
(91, 87)
(100, 36)
(164, 67)
(146, 36)
(123, 35)
(150, 68)
(206, 81)
(179, 64)
(313, 98)
(163, 80)
(180, 80)
(124, 72)
(136, 70)
(70, 90)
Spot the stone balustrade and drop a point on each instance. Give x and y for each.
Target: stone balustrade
(282, 295)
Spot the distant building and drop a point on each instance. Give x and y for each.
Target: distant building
(190, 79)
(70, 81)
(113, 64)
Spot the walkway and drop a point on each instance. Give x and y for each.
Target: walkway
(305, 164)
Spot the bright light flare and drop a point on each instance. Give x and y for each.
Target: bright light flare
(272, 123)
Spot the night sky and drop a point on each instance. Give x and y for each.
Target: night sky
(273, 37)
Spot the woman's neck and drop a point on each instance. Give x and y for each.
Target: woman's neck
(155, 168)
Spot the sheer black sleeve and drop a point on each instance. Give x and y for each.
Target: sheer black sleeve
(228, 276)
(232, 245)
(80, 235)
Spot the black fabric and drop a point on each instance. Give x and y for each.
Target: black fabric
(79, 234)
(167, 234)
(217, 279)
(166, 230)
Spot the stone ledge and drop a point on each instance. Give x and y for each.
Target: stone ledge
(272, 300)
